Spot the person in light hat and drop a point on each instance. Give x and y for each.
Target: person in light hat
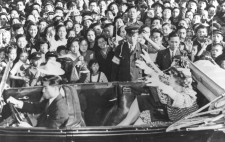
(51, 68)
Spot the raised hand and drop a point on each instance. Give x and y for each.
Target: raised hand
(141, 64)
(146, 56)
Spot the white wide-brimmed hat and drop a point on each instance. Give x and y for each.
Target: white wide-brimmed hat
(51, 68)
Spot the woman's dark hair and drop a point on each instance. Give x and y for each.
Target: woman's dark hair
(28, 27)
(109, 11)
(101, 37)
(93, 61)
(43, 41)
(109, 7)
(70, 42)
(115, 19)
(83, 38)
(19, 36)
(11, 20)
(90, 29)
(23, 51)
(8, 49)
(180, 13)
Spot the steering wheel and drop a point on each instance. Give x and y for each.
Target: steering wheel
(15, 113)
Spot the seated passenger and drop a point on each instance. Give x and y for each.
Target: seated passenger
(53, 108)
(175, 93)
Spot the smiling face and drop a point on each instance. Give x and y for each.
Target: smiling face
(62, 33)
(102, 43)
(157, 37)
(33, 30)
(22, 42)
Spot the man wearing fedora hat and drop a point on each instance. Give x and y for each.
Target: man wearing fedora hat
(53, 107)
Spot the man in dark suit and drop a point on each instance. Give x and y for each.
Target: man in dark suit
(53, 107)
(165, 57)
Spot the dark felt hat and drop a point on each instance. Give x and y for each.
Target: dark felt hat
(3, 13)
(51, 54)
(59, 8)
(132, 29)
(156, 31)
(60, 48)
(217, 32)
(215, 25)
(35, 56)
(17, 26)
(108, 24)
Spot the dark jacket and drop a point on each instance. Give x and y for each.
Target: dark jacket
(105, 63)
(53, 116)
(164, 60)
(124, 68)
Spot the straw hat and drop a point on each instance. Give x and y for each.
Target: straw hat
(52, 68)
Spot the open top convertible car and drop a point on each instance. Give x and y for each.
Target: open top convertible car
(98, 108)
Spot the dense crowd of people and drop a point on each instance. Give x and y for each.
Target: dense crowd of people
(104, 32)
(107, 40)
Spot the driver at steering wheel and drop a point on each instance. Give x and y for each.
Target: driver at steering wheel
(53, 108)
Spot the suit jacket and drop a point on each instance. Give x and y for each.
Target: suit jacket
(53, 116)
(164, 60)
